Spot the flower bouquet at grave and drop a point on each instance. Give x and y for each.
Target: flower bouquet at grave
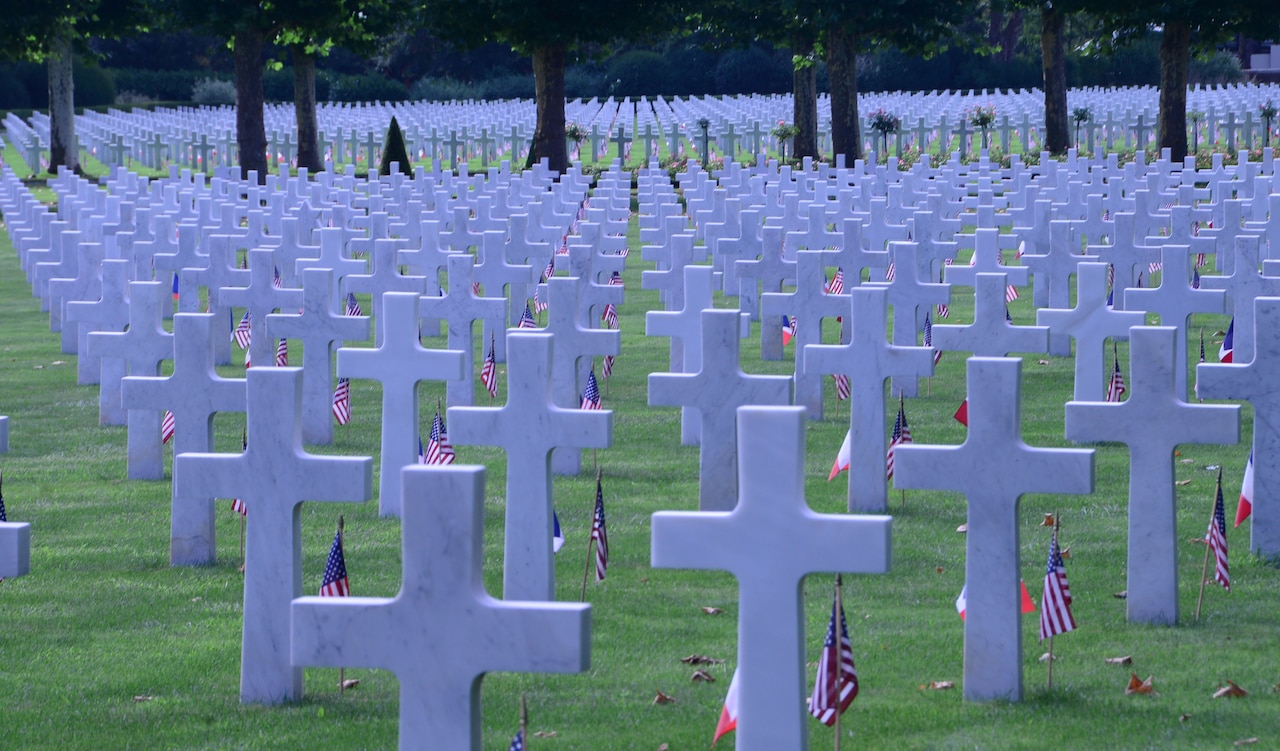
(1267, 110)
(982, 117)
(885, 123)
(783, 132)
(575, 132)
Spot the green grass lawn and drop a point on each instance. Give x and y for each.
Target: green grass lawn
(105, 646)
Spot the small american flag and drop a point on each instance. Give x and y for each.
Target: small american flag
(335, 571)
(836, 684)
(1195, 278)
(1111, 275)
(550, 270)
(489, 371)
(836, 286)
(1201, 261)
(842, 386)
(600, 534)
(526, 320)
(342, 401)
(166, 427)
(890, 271)
(276, 281)
(439, 450)
(353, 306)
(1217, 540)
(1010, 293)
(282, 354)
(538, 304)
(901, 435)
(591, 396)
(610, 316)
(1115, 388)
(1055, 603)
(4, 517)
(1154, 266)
(606, 370)
(944, 310)
(243, 333)
(616, 280)
(928, 338)
(475, 289)
(517, 743)
(1196, 388)
(238, 505)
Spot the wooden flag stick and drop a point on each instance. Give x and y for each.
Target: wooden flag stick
(1057, 522)
(1204, 571)
(342, 672)
(524, 722)
(242, 538)
(839, 659)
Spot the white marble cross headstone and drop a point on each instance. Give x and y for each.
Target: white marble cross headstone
(1152, 422)
(1255, 381)
(460, 307)
(384, 277)
(442, 632)
(907, 294)
(868, 360)
(769, 539)
(273, 477)
(1053, 270)
(261, 298)
(716, 390)
(993, 468)
(400, 363)
(1242, 285)
(528, 427)
(991, 334)
(110, 313)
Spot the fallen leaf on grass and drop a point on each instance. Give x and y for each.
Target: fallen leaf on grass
(143, 698)
(59, 362)
(702, 675)
(1065, 552)
(1247, 741)
(663, 747)
(938, 569)
(1182, 483)
(1230, 691)
(1126, 660)
(1186, 461)
(545, 734)
(350, 683)
(1138, 686)
(196, 599)
(962, 528)
(662, 698)
(1048, 521)
(1042, 362)
(1184, 717)
(1046, 657)
(712, 611)
(1197, 541)
(700, 660)
(939, 685)
(1122, 595)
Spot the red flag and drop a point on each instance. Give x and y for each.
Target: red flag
(962, 413)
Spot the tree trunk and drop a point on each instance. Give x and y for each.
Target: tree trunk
(62, 113)
(251, 133)
(1003, 32)
(548, 85)
(1057, 132)
(842, 69)
(1175, 50)
(304, 110)
(804, 83)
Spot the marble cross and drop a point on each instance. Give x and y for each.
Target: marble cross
(332, 256)
(1126, 253)
(576, 347)
(194, 393)
(500, 278)
(1254, 381)
(1053, 270)
(84, 286)
(442, 632)
(986, 260)
(528, 427)
(460, 307)
(142, 347)
(993, 468)
(668, 278)
(1174, 301)
(991, 334)
(907, 294)
(771, 271)
(384, 277)
(110, 313)
(273, 477)
(1153, 421)
(868, 360)
(1242, 285)
(1090, 323)
(770, 539)
(399, 363)
(716, 390)
(220, 274)
(319, 328)
(261, 298)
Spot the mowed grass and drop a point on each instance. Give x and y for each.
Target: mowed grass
(104, 645)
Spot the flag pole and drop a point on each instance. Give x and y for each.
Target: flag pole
(524, 721)
(342, 672)
(839, 658)
(591, 543)
(1057, 524)
(1204, 571)
(242, 538)
(1197, 385)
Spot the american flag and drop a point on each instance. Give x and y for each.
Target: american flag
(606, 370)
(944, 310)
(276, 281)
(901, 435)
(1111, 275)
(842, 386)
(616, 279)
(1055, 603)
(353, 306)
(538, 304)
(890, 271)
(282, 354)
(238, 505)
(517, 743)
(1217, 540)
(335, 571)
(591, 396)
(175, 285)
(550, 270)
(1010, 293)
(600, 534)
(836, 286)
(1116, 389)
(1196, 387)
(1154, 266)
(836, 684)
(526, 320)
(4, 517)
(610, 316)
(489, 372)
(1195, 278)
(439, 450)
(166, 427)
(928, 338)
(244, 331)
(342, 401)
(248, 359)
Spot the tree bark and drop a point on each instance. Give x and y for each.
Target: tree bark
(1003, 32)
(1057, 132)
(63, 151)
(804, 84)
(251, 133)
(304, 110)
(842, 69)
(548, 85)
(1175, 50)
